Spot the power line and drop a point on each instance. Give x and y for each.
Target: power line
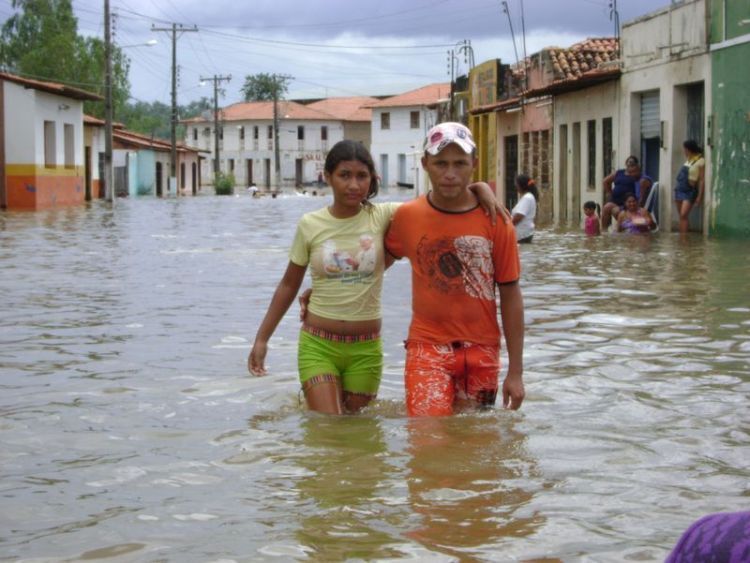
(367, 47)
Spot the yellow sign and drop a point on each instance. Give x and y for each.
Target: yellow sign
(483, 83)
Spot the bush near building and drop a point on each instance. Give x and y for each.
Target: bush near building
(224, 184)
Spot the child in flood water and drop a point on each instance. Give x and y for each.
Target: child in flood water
(340, 357)
(591, 225)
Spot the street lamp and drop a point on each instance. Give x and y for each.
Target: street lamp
(149, 43)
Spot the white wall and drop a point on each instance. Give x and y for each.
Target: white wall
(400, 139)
(594, 103)
(20, 125)
(25, 112)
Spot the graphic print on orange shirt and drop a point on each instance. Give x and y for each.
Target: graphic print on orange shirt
(458, 266)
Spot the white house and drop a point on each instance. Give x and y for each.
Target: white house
(246, 142)
(399, 125)
(353, 112)
(41, 143)
(664, 98)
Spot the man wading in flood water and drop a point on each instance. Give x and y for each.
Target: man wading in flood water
(457, 258)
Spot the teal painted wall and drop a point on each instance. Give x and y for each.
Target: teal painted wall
(730, 214)
(132, 173)
(146, 173)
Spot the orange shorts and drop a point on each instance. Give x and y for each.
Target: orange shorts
(436, 375)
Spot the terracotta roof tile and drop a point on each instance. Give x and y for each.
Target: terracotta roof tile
(243, 111)
(52, 87)
(425, 96)
(346, 108)
(582, 57)
(123, 137)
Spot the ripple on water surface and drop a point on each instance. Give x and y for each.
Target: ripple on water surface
(131, 431)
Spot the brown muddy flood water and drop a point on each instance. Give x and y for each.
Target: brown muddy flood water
(130, 430)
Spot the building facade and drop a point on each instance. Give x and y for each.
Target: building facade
(664, 99)
(399, 126)
(41, 143)
(141, 166)
(354, 114)
(246, 143)
(513, 111)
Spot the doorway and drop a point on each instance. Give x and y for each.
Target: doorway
(511, 170)
(249, 171)
(563, 214)
(298, 177)
(159, 174)
(650, 134)
(87, 172)
(575, 188)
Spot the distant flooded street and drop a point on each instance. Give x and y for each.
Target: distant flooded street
(131, 431)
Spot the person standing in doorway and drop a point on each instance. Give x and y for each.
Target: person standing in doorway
(691, 183)
(458, 259)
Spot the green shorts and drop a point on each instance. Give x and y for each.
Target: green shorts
(356, 361)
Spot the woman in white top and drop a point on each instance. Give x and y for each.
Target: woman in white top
(525, 210)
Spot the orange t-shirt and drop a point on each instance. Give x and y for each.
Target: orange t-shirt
(456, 259)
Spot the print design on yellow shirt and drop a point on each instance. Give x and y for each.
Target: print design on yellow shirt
(350, 267)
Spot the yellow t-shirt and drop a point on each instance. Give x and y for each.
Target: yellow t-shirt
(346, 261)
(694, 165)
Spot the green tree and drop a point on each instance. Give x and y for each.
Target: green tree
(148, 118)
(40, 40)
(195, 108)
(263, 87)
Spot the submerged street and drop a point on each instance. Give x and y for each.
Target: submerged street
(131, 431)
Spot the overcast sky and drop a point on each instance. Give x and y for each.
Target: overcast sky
(335, 47)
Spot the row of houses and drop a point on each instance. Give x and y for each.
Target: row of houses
(52, 154)
(569, 117)
(566, 116)
(392, 128)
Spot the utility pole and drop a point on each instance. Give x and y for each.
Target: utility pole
(525, 58)
(279, 82)
(216, 80)
(615, 15)
(452, 59)
(465, 48)
(173, 156)
(109, 184)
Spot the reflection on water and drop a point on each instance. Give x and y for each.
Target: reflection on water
(468, 476)
(129, 430)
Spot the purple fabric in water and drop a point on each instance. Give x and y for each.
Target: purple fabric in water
(716, 538)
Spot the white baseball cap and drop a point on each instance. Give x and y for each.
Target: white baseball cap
(443, 134)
